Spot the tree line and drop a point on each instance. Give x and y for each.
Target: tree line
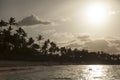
(16, 45)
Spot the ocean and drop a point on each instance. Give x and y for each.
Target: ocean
(64, 72)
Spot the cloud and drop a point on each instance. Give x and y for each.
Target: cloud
(62, 36)
(84, 41)
(32, 20)
(50, 31)
(65, 19)
(61, 20)
(115, 42)
(74, 45)
(71, 36)
(100, 45)
(73, 40)
(84, 37)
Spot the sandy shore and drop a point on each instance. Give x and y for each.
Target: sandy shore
(13, 69)
(29, 63)
(13, 66)
(19, 63)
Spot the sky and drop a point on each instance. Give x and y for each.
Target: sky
(88, 24)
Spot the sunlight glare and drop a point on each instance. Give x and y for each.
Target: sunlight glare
(95, 71)
(96, 13)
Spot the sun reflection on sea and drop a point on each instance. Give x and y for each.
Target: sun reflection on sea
(94, 72)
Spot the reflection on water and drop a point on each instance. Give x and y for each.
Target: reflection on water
(95, 72)
(67, 72)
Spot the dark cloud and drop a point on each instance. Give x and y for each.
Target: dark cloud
(32, 20)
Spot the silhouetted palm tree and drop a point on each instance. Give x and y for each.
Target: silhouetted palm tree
(3, 23)
(12, 21)
(63, 51)
(53, 48)
(30, 41)
(39, 38)
(21, 32)
(45, 47)
(35, 46)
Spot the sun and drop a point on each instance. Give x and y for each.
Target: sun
(96, 13)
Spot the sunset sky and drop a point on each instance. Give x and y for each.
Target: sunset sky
(88, 24)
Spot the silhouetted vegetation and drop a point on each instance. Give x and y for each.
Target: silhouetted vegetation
(15, 45)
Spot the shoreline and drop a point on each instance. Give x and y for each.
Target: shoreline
(21, 66)
(5, 63)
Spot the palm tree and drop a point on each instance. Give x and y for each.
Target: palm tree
(30, 41)
(53, 48)
(3, 23)
(21, 32)
(35, 46)
(63, 51)
(12, 21)
(45, 47)
(2, 35)
(39, 38)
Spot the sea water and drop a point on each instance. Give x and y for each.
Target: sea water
(65, 72)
